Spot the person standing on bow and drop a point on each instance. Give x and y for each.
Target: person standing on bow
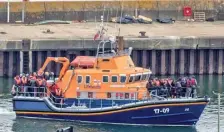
(188, 87)
(194, 86)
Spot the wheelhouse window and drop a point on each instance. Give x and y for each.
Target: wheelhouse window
(79, 79)
(126, 95)
(147, 76)
(123, 78)
(90, 94)
(144, 76)
(78, 94)
(105, 79)
(138, 77)
(87, 79)
(131, 79)
(114, 79)
(109, 95)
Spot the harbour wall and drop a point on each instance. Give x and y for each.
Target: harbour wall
(92, 10)
(163, 55)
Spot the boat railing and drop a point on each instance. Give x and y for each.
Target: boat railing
(107, 49)
(38, 92)
(87, 101)
(173, 92)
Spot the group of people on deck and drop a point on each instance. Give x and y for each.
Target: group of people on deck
(34, 84)
(182, 87)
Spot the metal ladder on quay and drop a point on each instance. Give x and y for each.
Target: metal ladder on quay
(25, 61)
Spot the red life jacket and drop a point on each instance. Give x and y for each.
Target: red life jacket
(32, 77)
(41, 82)
(157, 83)
(58, 91)
(188, 83)
(24, 80)
(193, 82)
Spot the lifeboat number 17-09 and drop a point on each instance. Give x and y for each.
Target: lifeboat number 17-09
(162, 111)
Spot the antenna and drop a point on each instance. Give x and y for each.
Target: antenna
(115, 25)
(120, 17)
(107, 17)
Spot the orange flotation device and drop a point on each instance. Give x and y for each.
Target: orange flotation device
(24, 80)
(32, 77)
(17, 80)
(40, 82)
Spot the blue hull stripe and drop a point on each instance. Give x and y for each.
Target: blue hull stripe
(147, 117)
(108, 112)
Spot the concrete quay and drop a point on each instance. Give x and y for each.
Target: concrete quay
(198, 49)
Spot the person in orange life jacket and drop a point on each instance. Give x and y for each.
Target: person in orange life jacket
(193, 86)
(17, 80)
(157, 82)
(17, 83)
(32, 83)
(58, 95)
(41, 83)
(52, 89)
(188, 88)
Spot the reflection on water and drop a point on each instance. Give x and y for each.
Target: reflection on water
(40, 126)
(207, 123)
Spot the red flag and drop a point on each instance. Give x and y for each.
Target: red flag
(97, 35)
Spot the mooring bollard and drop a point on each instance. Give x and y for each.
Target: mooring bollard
(142, 34)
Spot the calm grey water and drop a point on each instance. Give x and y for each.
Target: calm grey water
(207, 123)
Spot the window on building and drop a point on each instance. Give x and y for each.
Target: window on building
(131, 78)
(79, 79)
(123, 78)
(105, 79)
(114, 79)
(87, 79)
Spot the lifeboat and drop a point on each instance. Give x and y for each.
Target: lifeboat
(83, 62)
(107, 88)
